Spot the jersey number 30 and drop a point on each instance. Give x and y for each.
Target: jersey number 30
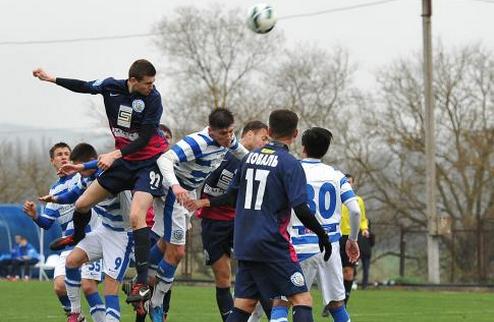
(261, 176)
(326, 207)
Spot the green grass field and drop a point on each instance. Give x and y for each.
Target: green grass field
(34, 301)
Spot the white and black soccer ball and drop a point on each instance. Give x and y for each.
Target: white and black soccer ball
(261, 19)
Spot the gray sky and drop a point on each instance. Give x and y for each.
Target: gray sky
(373, 35)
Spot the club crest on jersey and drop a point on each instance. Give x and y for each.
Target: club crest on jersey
(178, 234)
(138, 105)
(297, 279)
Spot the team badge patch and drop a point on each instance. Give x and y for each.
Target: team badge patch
(138, 105)
(297, 279)
(178, 234)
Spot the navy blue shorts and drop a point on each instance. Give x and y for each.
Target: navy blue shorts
(217, 239)
(268, 280)
(142, 175)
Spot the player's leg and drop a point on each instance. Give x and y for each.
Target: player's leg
(156, 255)
(117, 251)
(60, 292)
(148, 184)
(330, 275)
(221, 269)
(246, 293)
(74, 261)
(175, 224)
(348, 269)
(92, 272)
(217, 242)
(59, 282)
(365, 271)
(96, 305)
(140, 205)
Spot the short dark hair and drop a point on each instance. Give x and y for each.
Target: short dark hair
(83, 152)
(220, 118)
(141, 68)
(348, 175)
(166, 129)
(283, 123)
(316, 142)
(58, 146)
(254, 126)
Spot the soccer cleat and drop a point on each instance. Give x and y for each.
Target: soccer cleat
(156, 314)
(62, 242)
(76, 317)
(139, 293)
(325, 312)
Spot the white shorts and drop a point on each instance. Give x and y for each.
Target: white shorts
(329, 274)
(89, 271)
(171, 220)
(116, 248)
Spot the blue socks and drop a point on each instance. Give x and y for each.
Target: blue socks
(279, 314)
(112, 308)
(340, 314)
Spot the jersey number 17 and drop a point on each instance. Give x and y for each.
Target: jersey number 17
(252, 175)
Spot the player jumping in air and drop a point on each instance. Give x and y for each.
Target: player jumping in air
(133, 107)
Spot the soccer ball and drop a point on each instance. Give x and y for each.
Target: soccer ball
(261, 18)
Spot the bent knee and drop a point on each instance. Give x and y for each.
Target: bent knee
(301, 299)
(89, 286)
(333, 305)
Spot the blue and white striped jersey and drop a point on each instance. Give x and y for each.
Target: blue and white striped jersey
(62, 213)
(115, 211)
(197, 155)
(327, 190)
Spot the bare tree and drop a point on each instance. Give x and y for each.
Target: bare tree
(24, 174)
(214, 61)
(394, 129)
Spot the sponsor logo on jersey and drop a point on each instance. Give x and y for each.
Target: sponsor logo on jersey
(267, 151)
(297, 279)
(138, 105)
(124, 116)
(98, 82)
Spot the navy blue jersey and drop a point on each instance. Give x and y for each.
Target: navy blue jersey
(216, 184)
(270, 182)
(127, 112)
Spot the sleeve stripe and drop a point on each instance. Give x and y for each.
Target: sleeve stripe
(347, 195)
(179, 152)
(208, 140)
(194, 145)
(343, 181)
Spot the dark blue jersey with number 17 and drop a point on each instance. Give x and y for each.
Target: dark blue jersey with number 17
(270, 183)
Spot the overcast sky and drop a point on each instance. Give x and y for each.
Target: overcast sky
(373, 36)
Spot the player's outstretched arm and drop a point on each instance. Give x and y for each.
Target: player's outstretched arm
(69, 169)
(29, 209)
(41, 74)
(305, 216)
(48, 198)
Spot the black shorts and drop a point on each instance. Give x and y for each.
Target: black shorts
(217, 239)
(269, 280)
(142, 175)
(345, 261)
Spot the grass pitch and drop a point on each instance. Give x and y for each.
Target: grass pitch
(35, 301)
